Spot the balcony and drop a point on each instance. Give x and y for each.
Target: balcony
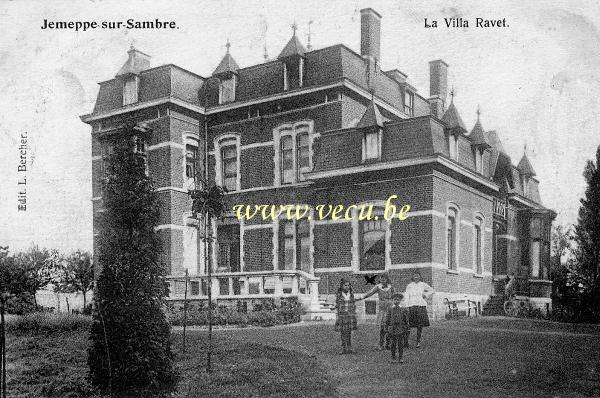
(500, 208)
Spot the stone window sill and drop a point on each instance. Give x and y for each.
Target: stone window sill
(452, 271)
(478, 276)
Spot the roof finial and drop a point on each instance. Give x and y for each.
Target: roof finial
(294, 28)
(228, 45)
(478, 112)
(309, 45)
(452, 93)
(524, 149)
(132, 45)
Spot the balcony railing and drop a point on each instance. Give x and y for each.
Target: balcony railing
(500, 208)
(240, 285)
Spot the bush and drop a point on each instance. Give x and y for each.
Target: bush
(47, 323)
(263, 314)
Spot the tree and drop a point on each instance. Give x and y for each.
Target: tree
(76, 274)
(130, 348)
(587, 237)
(40, 267)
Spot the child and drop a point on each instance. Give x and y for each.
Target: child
(417, 292)
(384, 291)
(397, 326)
(346, 314)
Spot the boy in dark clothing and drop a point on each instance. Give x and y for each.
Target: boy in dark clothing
(397, 326)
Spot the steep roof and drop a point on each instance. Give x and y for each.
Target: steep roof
(477, 135)
(292, 48)
(525, 166)
(452, 119)
(227, 65)
(371, 117)
(136, 62)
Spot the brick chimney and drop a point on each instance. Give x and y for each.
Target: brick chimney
(370, 33)
(438, 87)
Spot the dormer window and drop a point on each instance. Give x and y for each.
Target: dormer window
(293, 73)
(227, 90)
(478, 160)
(130, 90)
(409, 101)
(453, 146)
(371, 145)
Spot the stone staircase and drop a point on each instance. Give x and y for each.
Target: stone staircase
(494, 306)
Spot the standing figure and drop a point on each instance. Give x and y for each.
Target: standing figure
(396, 324)
(384, 292)
(345, 322)
(416, 294)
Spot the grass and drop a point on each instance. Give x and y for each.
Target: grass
(45, 360)
(491, 357)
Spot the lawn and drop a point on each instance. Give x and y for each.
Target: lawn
(491, 357)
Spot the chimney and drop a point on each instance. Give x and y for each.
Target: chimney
(370, 32)
(438, 87)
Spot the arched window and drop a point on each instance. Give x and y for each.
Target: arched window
(191, 162)
(293, 152)
(372, 244)
(227, 168)
(478, 228)
(452, 223)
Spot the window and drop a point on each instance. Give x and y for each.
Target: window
(293, 157)
(478, 161)
(229, 164)
(130, 90)
(190, 249)
(294, 245)
(302, 156)
(227, 161)
(288, 245)
(287, 159)
(195, 288)
(478, 245)
(370, 307)
(534, 258)
(293, 73)
(228, 248)
(371, 145)
(303, 245)
(525, 181)
(451, 240)
(227, 90)
(453, 146)
(139, 148)
(191, 164)
(409, 101)
(106, 151)
(372, 247)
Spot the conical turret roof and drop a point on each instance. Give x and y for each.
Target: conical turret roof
(371, 117)
(292, 48)
(452, 119)
(227, 64)
(525, 167)
(477, 135)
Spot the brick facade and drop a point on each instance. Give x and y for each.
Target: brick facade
(414, 162)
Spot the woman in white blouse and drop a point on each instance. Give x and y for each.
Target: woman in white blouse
(417, 292)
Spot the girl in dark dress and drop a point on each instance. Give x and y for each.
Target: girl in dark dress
(346, 314)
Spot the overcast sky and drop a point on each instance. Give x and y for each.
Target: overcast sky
(537, 82)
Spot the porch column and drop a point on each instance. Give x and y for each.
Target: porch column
(214, 284)
(295, 284)
(314, 294)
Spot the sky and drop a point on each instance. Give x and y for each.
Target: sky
(537, 83)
